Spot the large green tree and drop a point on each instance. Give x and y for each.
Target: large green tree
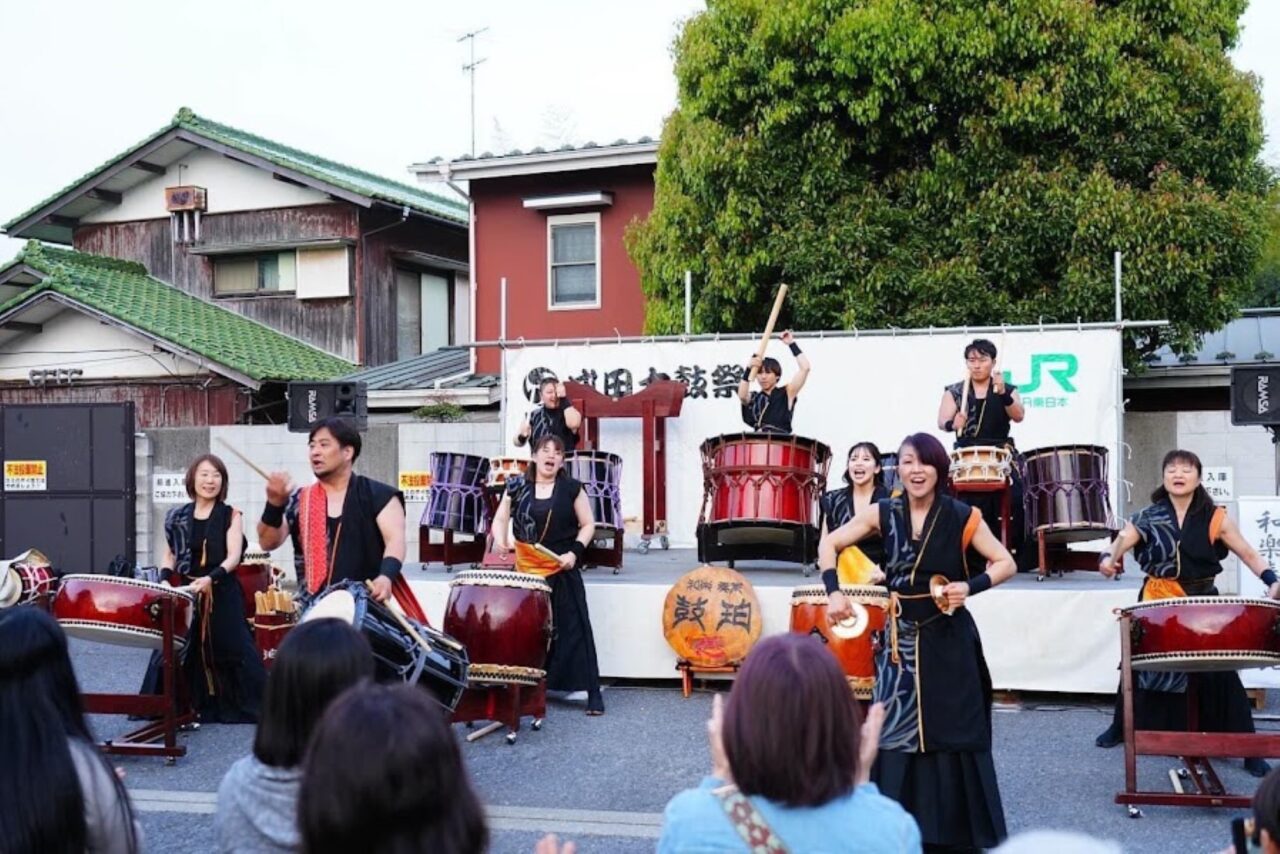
(949, 162)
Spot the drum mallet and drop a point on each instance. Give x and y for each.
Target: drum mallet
(250, 463)
(404, 623)
(768, 330)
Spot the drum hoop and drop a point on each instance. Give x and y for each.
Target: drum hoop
(118, 628)
(1055, 450)
(1201, 655)
(1200, 600)
(594, 456)
(862, 686)
(494, 578)
(130, 582)
(15, 584)
(864, 594)
(504, 674)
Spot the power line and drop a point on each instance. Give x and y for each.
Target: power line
(470, 69)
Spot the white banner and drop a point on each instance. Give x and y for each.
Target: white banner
(877, 388)
(1259, 521)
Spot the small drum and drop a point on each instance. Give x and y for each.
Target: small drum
(440, 667)
(121, 611)
(601, 476)
(456, 500)
(1198, 633)
(981, 464)
(711, 617)
(849, 640)
(763, 477)
(504, 621)
(501, 468)
(25, 579)
(1067, 495)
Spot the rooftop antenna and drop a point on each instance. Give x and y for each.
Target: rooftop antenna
(470, 69)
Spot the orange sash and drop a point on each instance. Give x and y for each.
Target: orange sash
(535, 561)
(1162, 588)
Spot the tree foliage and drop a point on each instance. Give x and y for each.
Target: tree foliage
(951, 162)
(1266, 278)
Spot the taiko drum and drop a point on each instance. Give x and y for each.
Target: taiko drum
(122, 611)
(1196, 633)
(711, 617)
(850, 642)
(504, 621)
(763, 477)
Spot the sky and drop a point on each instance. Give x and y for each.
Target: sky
(377, 84)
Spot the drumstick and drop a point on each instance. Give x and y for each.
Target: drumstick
(404, 624)
(546, 551)
(244, 459)
(768, 330)
(964, 399)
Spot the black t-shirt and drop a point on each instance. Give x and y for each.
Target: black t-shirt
(543, 421)
(768, 412)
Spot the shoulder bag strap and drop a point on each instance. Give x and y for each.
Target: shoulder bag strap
(750, 825)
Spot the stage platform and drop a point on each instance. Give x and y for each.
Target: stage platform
(1056, 635)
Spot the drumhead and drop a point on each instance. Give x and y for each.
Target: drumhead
(864, 594)
(337, 604)
(111, 580)
(118, 635)
(1054, 450)
(495, 578)
(594, 456)
(10, 588)
(1183, 601)
(1206, 661)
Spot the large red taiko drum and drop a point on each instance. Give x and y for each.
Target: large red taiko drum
(763, 477)
(122, 611)
(1195, 633)
(504, 621)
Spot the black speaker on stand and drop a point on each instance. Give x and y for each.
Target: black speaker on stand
(310, 402)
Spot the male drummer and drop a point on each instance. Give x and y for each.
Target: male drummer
(554, 415)
(343, 526)
(769, 409)
(991, 407)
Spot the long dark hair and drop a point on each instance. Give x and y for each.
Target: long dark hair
(41, 801)
(317, 661)
(1266, 807)
(1200, 499)
(877, 480)
(791, 726)
(384, 773)
(930, 452)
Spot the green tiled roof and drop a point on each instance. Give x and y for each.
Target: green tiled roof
(123, 290)
(335, 174)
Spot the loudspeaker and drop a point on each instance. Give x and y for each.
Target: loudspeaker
(1255, 395)
(309, 402)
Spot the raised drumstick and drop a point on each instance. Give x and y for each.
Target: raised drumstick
(250, 463)
(768, 330)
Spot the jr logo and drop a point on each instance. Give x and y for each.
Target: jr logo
(1061, 367)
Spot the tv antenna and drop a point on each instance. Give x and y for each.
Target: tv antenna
(470, 69)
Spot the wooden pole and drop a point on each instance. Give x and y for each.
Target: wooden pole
(768, 330)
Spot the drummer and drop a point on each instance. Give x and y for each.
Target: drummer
(991, 408)
(1179, 541)
(864, 486)
(769, 409)
(554, 416)
(343, 526)
(550, 515)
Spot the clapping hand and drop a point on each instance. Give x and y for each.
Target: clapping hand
(869, 743)
(715, 741)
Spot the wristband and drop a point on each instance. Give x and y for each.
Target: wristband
(273, 515)
(218, 573)
(795, 349)
(390, 567)
(520, 440)
(1269, 577)
(1006, 399)
(979, 583)
(950, 426)
(578, 549)
(830, 580)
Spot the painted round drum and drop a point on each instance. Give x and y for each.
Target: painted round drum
(504, 621)
(711, 617)
(981, 464)
(764, 477)
(121, 611)
(849, 640)
(502, 468)
(601, 477)
(457, 500)
(1196, 633)
(1067, 495)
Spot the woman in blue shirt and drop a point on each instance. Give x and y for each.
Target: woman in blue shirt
(790, 765)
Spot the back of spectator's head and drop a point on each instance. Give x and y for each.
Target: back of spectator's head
(383, 773)
(791, 725)
(1266, 811)
(318, 660)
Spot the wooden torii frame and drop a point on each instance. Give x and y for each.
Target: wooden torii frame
(659, 401)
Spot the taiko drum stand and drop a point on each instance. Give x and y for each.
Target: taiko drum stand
(471, 552)
(1194, 749)
(504, 704)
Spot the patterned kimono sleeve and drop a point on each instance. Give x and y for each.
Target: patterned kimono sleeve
(176, 529)
(291, 509)
(1156, 552)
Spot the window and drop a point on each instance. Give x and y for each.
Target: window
(270, 272)
(424, 312)
(573, 250)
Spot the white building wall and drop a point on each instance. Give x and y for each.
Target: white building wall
(232, 186)
(75, 340)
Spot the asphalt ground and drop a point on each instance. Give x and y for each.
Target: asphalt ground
(604, 781)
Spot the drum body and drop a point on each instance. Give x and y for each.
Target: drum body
(763, 477)
(711, 617)
(33, 582)
(601, 477)
(981, 464)
(1067, 496)
(456, 500)
(852, 644)
(254, 577)
(502, 468)
(121, 611)
(504, 621)
(1198, 633)
(440, 667)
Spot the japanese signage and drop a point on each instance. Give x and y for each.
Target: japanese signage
(26, 475)
(1219, 482)
(711, 617)
(876, 388)
(1259, 521)
(415, 485)
(169, 488)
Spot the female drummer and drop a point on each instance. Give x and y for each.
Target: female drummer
(550, 515)
(935, 747)
(1180, 541)
(864, 486)
(203, 543)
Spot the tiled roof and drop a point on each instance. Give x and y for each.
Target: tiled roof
(340, 176)
(124, 291)
(1252, 338)
(516, 152)
(417, 372)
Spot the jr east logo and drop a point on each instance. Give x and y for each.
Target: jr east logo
(1050, 385)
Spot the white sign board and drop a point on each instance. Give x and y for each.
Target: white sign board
(1219, 482)
(1259, 521)
(169, 488)
(878, 388)
(26, 475)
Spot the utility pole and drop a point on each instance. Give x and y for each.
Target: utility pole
(470, 68)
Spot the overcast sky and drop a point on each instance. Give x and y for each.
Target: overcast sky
(377, 84)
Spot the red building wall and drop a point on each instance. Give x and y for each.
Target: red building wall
(511, 241)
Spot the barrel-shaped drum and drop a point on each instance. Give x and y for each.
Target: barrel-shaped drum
(1197, 633)
(763, 477)
(601, 477)
(457, 501)
(711, 617)
(501, 469)
(121, 611)
(850, 640)
(981, 464)
(1067, 495)
(504, 621)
